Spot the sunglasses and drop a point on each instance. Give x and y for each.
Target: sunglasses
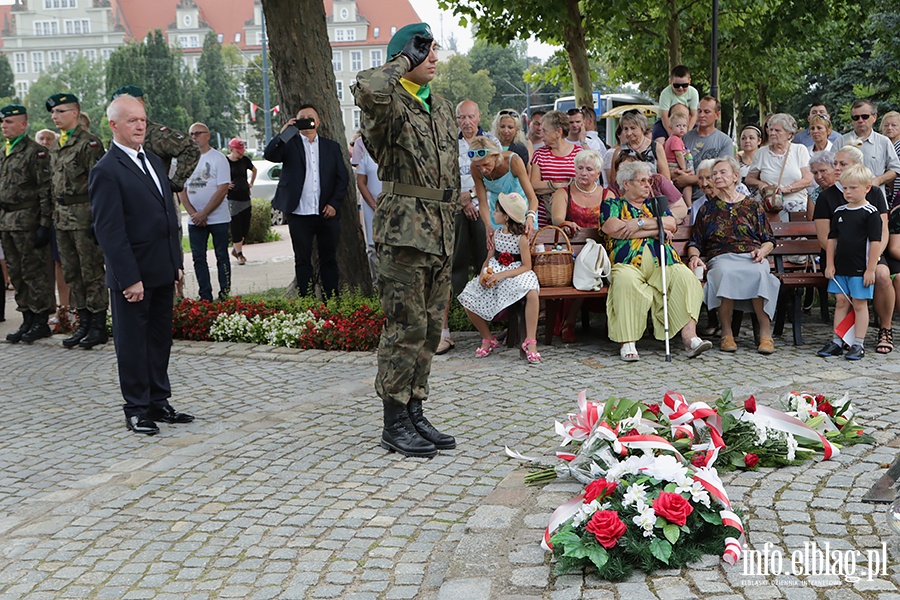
(196, 133)
(479, 153)
(573, 111)
(681, 86)
(864, 117)
(509, 113)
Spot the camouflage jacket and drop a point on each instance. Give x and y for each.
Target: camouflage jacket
(168, 144)
(69, 166)
(414, 147)
(25, 187)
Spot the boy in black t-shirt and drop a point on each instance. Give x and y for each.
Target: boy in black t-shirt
(855, 231)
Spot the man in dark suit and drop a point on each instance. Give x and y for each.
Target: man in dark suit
(312, 186)
(136, 227)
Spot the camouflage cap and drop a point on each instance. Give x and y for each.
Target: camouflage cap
(404, 34)
(11, 110)
(59, 99)
(131, 90)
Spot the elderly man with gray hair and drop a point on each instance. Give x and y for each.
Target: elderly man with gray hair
(636, 280)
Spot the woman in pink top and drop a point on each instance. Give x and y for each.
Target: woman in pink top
(553, 164)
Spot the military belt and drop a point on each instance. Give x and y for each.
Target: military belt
(416, 191)
(20, 205)
(69, 200)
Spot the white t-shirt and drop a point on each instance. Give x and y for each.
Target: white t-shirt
(212, 170)
(369, 168)
(769, 167)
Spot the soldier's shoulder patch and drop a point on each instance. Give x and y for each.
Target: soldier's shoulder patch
(179, 136)
(42, 154)
(93, 143)
(163, 128)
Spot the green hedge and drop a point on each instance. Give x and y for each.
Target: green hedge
(260, 222)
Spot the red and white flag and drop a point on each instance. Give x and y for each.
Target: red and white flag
(253, 108)
(846, 329)
(276, 110)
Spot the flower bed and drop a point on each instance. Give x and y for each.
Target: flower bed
(323, 326)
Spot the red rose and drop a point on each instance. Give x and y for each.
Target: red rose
(599, 489)
(607, 527)
(751, 460)
(699, 460)
(654, 408)
(673, 508)
(750, 404)
(826, 408)
(505, 259)
(633, 431)
(820, 398)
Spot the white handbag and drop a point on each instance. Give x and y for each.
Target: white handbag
(592, 267)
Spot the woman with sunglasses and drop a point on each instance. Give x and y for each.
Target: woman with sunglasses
(636, 143)
(496, 172)
(507, 127)
(553, 164)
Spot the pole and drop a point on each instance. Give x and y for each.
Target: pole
(714, 68)
(265, 69)
(659, 207)
(527, 88)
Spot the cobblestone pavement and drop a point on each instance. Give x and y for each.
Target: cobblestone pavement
(279, 489)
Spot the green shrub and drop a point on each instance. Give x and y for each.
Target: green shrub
(260, 221)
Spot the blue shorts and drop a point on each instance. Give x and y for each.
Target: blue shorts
(852, 286)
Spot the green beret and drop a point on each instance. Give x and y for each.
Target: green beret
(405, 34)
(131, 90)
(11, 110)
(57, 99)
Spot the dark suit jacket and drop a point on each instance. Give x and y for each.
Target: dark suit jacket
(136, 227)
(332, 173)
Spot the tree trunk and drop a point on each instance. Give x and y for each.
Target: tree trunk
(673, 36)
(736, 110)
(762, 98)
(576, 49)
(301, 62)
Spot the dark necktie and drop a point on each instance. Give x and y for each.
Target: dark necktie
(146, 170)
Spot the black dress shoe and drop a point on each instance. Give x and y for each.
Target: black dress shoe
(168, 414)
(141, 425)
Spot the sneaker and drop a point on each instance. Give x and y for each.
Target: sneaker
(856, 352)
(830, 349)
(445, 346)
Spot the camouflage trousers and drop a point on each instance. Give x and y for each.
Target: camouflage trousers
(413, 288)
(30, 271)
(82, 266)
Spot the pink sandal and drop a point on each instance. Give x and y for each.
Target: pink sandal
(533, 357)
(485, 350)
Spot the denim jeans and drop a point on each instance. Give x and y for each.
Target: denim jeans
(198, 237)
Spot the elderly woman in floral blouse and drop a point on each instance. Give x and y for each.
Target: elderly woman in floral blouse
(733, 234)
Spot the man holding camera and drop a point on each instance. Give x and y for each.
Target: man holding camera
(412, 135)
(313, 185)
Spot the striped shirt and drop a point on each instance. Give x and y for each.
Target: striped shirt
(555, 168)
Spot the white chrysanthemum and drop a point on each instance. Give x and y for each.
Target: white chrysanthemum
(699, 495)
(637, 493)
(761, 435)
(666, 468)
(792, 446)
(645, 519)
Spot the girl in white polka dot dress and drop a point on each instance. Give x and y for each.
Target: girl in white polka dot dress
(505, 279)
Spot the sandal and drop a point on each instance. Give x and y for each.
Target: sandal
(727, 344)
(487, 345)
(568, 333)
(885, 341)
(628, 352)
(533, 357)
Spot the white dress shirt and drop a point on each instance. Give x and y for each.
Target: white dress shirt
(133, 154)
(309, 197)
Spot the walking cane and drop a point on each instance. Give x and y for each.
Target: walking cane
(659, 206)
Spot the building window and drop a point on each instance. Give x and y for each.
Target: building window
(106, 53)
(189, 41)
(357, 118)
(46, 28)
(351, 35)
(21, 62)
(54, 58)
(337, 62)
(195, 41)
(345, 14)
(375, 59)
(339, 35)
(77, 26)
(356, 61)
(340, 91)
(376, 31)
(90, 54)
(188, 21)
(60, 3)
(71, 54)
(237, 38)
(220, 37)
(393, 31)
(21, 89)
(37, 62)
(259, 38)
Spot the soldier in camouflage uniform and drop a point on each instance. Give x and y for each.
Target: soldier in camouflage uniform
(81, 257)
(25, 213)
(411, 134)
(168, 144)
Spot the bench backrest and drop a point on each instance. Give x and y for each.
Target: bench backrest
(551, 236)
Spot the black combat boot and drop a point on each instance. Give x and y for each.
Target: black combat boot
(27, 320)
(39, 328)
(96, 333)
(84, 323)
(399, 435)
(441, 441)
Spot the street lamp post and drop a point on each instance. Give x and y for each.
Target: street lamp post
(265, 73)
(714, 69)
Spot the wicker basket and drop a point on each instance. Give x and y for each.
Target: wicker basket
(553, 269)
